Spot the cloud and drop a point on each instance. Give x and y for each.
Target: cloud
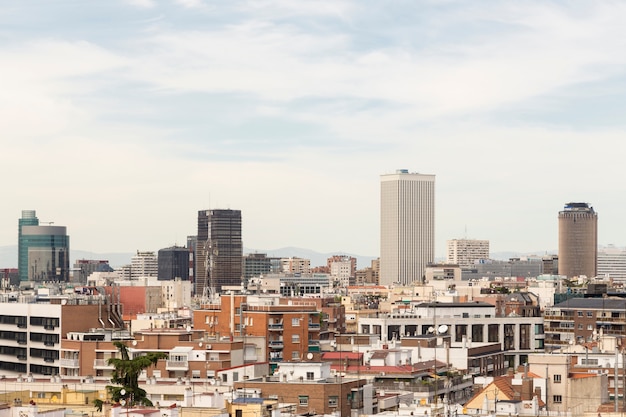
(144, 4)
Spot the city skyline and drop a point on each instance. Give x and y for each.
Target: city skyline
(123, 119)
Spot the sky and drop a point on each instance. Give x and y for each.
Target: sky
(120, 119)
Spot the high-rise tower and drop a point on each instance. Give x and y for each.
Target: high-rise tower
(578, 240)
(407, 226)
(173, 263)
(219, 250)
(43, 251)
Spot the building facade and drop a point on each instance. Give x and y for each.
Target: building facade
(578, 240)
(342, 269)
(471, 324)
(173, 263)
(612, 263)
(144, 264)
(257, 264)
(579, 320)
(464, 252)
(43, 251)
(288, 332)
(219, 251)
(407, 226)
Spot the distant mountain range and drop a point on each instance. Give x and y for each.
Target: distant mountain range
(8, 256)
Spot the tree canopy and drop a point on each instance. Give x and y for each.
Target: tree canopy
(126, 376)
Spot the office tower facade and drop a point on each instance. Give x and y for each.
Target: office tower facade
(219, 251)
(407, 226)
(257, 264)
(464, 252)
(144, 264)
(43, 251)
(173, 263)
(578, 240)
(191, 246)
(612, 263)
(85, 267)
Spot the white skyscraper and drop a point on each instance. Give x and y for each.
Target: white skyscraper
(407, 226)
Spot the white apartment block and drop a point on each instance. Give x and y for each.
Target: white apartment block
(144, 264)
(464, 252)
(341, 271)
(30, 338)
(407, 226)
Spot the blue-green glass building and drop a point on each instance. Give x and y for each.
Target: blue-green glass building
(43, 250)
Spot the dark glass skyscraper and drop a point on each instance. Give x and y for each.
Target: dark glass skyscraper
(43, 251)
(173, 263)
(219, 250)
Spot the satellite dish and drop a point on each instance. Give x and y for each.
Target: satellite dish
(431, 329)
(309, 356)
(442, 329)
(200, 344)
(188, 328)
(123, 402)
(134, 344)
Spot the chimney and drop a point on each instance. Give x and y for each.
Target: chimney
(527, 389)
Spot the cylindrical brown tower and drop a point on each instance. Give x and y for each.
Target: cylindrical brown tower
(578, 240)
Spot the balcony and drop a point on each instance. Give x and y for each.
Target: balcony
(177, 365)
(275, 327)
(102, 364)
(276, 344)
(314, 326)
(70, 363)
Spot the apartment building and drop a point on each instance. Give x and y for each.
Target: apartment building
(578, 320)
(190, 354)
(288, 331)
(311, 386)
(31, 333)
(566, 390)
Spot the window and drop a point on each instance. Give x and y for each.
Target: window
(477, 333)
(590, 327)
(580, 326)
(333, 401)
(295, 354)
(580, 314)
(295, 338)
(224, 377)
(589, 313)
(557, 399)
(235, 376)
(460, 331)
(557, 378)
(310, 376)
(303, 400)
(493, 333)
(295, 322)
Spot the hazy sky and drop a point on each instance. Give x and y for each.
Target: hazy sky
(122, 119)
